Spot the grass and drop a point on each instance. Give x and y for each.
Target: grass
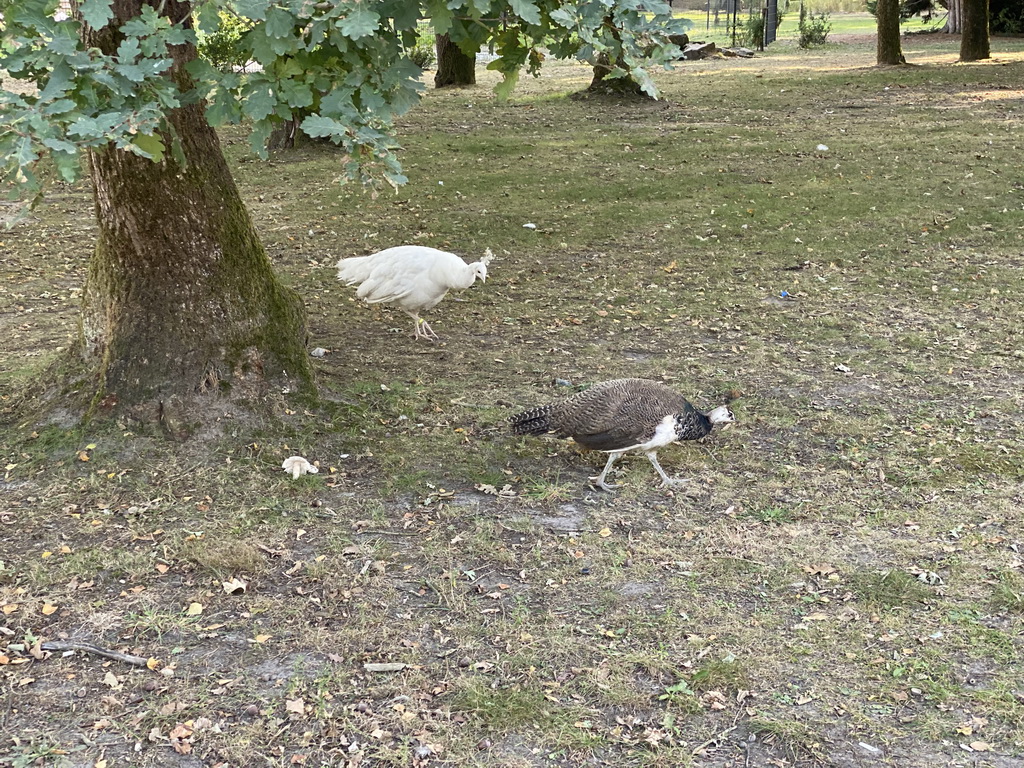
(770, 611)
(705, 28)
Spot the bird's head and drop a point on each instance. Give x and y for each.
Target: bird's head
(480, 267)
(721, 415)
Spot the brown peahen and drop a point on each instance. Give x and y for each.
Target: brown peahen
(623, 415)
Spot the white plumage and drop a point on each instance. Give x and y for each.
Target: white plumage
(412, 277)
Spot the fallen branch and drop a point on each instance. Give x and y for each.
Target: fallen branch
(58, 645)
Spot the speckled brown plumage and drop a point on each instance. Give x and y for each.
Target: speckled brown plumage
(622, 415)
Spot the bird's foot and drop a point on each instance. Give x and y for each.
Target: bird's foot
(600, 483)
(672, 482)
(424, 331)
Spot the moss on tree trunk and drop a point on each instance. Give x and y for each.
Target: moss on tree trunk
(454, 66)
(180, 302)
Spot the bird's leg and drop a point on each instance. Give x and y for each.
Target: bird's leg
(599, 480)
(666, 481)
(428, 332)
(421, 329)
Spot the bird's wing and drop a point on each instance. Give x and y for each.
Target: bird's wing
(620, 415)
(384, 285)
(412, 276)
(394, 274)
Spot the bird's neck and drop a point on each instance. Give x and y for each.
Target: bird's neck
(465, 279)
(692, 425)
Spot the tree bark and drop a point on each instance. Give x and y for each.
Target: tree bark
(955, 18)
(286, 134)
(974, 43)
(620, 86)
(180, 302)
(454, 66)
(888, 49)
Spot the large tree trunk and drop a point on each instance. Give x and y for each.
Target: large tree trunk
(974, 38)
(955, 18)
(888, 50)
(454, 66)
(180, 302)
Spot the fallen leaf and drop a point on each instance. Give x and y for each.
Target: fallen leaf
(111, 679)
(48, 609)
(298, 706)
(980, 746)
(194, 609)
(394, 666)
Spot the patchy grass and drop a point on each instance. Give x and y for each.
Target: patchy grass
(843, 25)
(838, 584)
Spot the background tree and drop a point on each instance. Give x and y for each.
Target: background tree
(454, 66)
(888, 51)
(955, 17)
(181, 300)
(974, 37)
(613, 74)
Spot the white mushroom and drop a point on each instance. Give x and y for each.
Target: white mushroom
(297, 465)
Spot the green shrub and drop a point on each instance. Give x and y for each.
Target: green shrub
(813, 29)
(422, 54)
(752, 34)
(225, 48)
(1008, 18)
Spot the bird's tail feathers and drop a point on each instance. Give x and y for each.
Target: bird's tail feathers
(354, 269)
(535, 421)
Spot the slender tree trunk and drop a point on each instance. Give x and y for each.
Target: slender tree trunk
(888, 49)
(454, 66)
(180, 301)
(955, 19)
(974, 38)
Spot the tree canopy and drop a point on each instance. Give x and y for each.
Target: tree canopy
(343, 63)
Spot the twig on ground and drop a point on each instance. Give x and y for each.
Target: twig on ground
(59, 645)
